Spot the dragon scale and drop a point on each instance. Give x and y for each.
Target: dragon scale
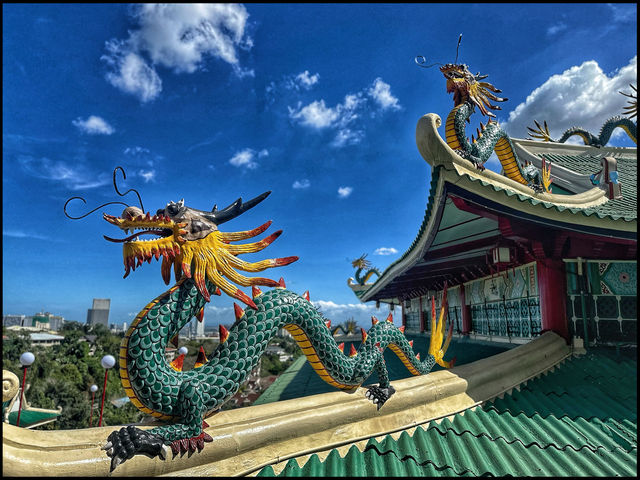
(154, 386)
(492, 137)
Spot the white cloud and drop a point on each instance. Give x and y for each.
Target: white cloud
(74, 177)
(316, 115)
(385, 251)
(301, 184)
(147, 175)
(360, 312)
(306, 80)
(344, 192)
(22, 234)
(246, 158)
(581, 96)
(93, 126)
(178, 37)
(556, 28)
(132, 73)
(343, 116)
(346, 136)
(136, 151)
(623, 13)
(381, 93)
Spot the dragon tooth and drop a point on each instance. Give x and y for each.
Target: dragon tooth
(353, 351)
(418, 356)
(401, 328)
(328, 324)
(390, 318)
(255, 291)
(306, 296)
(281, 283)
(374, 320)
(341, 347)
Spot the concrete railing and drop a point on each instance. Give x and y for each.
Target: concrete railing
(247, 439)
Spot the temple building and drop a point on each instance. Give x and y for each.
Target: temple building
(516, 264)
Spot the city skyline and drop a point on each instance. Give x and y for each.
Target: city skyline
(316, 103)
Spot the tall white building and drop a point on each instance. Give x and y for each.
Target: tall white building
(199, 328)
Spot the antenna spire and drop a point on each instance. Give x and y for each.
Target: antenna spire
(459, 40)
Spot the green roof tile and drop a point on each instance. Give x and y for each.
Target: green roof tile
(580, 420)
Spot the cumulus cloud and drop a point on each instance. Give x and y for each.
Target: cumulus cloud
(342, 118)
(178, 37)
(385, 251)
(93, 125)
(247, 158)
(582, 95)
(305, 80)
(301, 184)
(344, 192)
(381, 93)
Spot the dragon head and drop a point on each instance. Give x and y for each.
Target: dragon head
(467, 87)
(188, 240)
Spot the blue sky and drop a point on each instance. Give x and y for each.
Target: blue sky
(317, 103)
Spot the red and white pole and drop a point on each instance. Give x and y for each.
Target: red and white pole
(107, 362)
(26, 359)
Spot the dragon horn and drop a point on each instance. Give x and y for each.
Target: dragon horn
(235, 209)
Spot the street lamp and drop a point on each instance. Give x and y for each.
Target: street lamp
(107, 362)
(26, 359)
(94, 389)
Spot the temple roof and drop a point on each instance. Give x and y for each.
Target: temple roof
(578, 207)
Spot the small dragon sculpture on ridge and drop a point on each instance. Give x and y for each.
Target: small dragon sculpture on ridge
(205, 261)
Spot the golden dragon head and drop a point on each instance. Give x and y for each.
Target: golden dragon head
(188, 240)
(467, 87)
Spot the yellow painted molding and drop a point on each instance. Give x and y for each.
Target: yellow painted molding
(247, 439)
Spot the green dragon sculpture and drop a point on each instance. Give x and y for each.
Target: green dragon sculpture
(361, 264)
(189, 242)
(542, 131)
(470, 92)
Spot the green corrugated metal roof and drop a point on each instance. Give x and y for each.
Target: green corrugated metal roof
(580, 420)
(29, 417)
(627, 206)
(301, 380)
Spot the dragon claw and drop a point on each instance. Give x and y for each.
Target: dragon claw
(123, 444)
(379, 395)
(190, 445)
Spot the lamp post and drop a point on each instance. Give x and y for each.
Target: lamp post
(107, 362)
(26, 359)
(94, 389)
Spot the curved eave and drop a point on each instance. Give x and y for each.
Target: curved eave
(577, 211)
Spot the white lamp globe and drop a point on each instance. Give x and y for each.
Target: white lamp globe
(108, 361)
(183, 350)
(94, 388)
(26, 359)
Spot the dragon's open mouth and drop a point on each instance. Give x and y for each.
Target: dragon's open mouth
(162, 233)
